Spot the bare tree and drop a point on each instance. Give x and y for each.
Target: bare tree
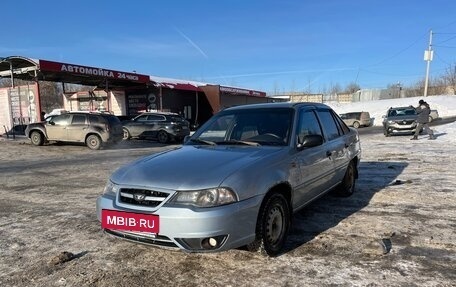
(352, 87)
(450, 78)
(437, 86)
(50, 96)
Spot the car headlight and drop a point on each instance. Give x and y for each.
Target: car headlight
(391, 122)
(111, 187)
(205, 197)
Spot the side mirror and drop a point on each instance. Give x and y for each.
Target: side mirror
(51, 123)
(309, 141)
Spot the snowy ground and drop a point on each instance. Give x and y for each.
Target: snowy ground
(445, 105)
(398, 229)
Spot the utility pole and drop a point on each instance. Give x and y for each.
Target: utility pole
(428, 54)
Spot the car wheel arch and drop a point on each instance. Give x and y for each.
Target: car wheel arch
(277, 198)
(283, 188)
(100, 138)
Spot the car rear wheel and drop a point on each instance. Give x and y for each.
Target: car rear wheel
(272, 226)
(347, 186)
(356, 125)
(93, 142)
(37, 138)
(126, 134)
(163, 137)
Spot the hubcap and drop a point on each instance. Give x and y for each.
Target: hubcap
(275, 225)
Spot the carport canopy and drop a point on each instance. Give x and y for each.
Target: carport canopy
(42, 70)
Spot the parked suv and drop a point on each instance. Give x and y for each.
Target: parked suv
(161, 126)
(93, 129)
(236, 181)
(357, 119)
(399, 120)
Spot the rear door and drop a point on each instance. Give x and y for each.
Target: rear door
(315, 167)
(78, 127)
(337, 143)
(56, 129)
(153, 124)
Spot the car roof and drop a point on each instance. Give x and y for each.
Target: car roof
(407, 107)
(278, 105)
(96, 113)
(160, 113)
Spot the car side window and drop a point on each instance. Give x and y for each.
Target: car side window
(61, 120)
(155, 118)
(78, 120)
(141, 118)
(308, 124)
(94, 119)
(330, 127)
(342, 126)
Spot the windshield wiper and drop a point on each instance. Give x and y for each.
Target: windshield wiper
(238, 142)
(197, 140)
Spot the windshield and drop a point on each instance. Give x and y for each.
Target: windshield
(247, 127)
(401, 112)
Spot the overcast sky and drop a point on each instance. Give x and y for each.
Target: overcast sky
(267, 45)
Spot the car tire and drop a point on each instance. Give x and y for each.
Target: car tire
(162, 137)
(37, 138)
(126, 134)
(93, 142)
(356, 125)
(272, 226)
(347, 186)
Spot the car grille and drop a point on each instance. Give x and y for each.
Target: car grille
(142, 197)
(405, 122)
(149, 239)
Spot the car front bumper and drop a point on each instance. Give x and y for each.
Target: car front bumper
(396, 128)
(191, 229)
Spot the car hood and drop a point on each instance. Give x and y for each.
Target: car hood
(191, 167)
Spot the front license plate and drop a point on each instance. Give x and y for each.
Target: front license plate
(121, 220)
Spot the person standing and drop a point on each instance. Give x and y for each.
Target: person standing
(423, 111)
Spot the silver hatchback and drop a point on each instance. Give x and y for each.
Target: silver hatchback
(236, 182)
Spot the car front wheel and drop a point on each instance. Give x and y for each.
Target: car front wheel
(37, 138)
(93, 142)
(272, 226)
(126, 134)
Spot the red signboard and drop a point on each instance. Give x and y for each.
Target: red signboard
(242, 91)
(50, 66)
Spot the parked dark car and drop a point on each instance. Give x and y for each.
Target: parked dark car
(164, 127)
(93, 129)
(236, 181)
(399, 120)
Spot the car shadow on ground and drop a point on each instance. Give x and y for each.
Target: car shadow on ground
(329, 210)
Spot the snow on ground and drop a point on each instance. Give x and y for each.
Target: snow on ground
(445, 105)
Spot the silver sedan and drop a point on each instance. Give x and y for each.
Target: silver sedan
(236, 182)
